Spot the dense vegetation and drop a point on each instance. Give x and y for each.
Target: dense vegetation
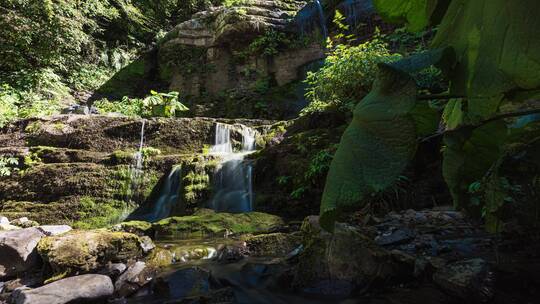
(490, 79)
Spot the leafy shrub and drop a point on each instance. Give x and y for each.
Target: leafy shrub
(164, 104)
(16, 103)
(127, 106)
(155, 105)
(8, 165)
(347, 75)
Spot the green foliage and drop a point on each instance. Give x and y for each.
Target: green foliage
(269, 44)
(164, 104)
(492, 61)
(415, 13)
(149, 152)
(155, 105)
(29, 103)
(8, 165)
(347, 75)
(319, 164)
(127, 106)
(376, 146)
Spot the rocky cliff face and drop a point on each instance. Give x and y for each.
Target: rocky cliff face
(208, 53)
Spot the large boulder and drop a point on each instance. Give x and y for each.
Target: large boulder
(18, 250)
(85, 251)
(80, 289)
(469, 280)
(341, 262)
(208, 223)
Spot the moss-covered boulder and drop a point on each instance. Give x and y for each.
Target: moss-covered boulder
(82, 251)
(206, 223)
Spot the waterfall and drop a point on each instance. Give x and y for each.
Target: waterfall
(311, 17)
(222, 142)
(168, 196)
(322, 20)
(233, 190)
(136, 169)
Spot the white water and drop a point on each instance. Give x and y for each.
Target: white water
(168, 196)
(139, 154)
(233, 191)
(322, 20)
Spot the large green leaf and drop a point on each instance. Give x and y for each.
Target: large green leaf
(376, 146)
(497, 45)
(415, 13)
(468, 155)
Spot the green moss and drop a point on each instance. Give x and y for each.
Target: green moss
(119, 157)
(33, 127)
(137, 227)
(217, 224)
(98, 214)
(86, 251)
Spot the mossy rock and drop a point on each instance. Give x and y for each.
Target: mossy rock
(136, 227)
(207, 223)
(85, 251)
(273, 244)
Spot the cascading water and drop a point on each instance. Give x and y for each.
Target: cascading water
(312, 17)
(136, 170)
(168, 196)
(322, 20)
(233, 190)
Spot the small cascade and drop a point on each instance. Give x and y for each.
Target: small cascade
(136, 170)
(311, 18)
(233, 190)
(322, 20)
(222, 143)
(168, 196)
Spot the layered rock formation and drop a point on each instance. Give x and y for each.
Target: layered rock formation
(203, 54)
(77, 169)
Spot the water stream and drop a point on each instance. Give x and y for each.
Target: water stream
(232, 184)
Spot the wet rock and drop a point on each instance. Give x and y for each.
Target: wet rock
(273, 244)
(89, 287)
(186, 282)
(208, 223)
(395, 236)
(113, 270)
(336, 264)
(160, 257)
(90, 250)
(469, 280)
(133, 279)
(51, 230)
(18, 251)
(147, 244)
(231, 253)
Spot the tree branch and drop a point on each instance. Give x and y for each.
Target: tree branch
(484, 122)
